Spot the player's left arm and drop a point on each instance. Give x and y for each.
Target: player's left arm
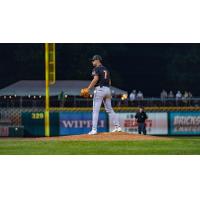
(93, 82)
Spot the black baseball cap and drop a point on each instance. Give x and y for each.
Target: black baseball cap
(96, 57)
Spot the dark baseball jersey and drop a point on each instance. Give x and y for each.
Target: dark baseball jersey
(141, 117)
(103, 74)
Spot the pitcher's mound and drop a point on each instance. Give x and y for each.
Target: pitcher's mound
(110, 137)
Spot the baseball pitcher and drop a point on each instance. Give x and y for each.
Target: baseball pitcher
(102, 93)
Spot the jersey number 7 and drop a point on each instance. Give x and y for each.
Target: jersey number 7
(105, 74)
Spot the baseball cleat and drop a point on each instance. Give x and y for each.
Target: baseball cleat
(117, 129)
(92, 132)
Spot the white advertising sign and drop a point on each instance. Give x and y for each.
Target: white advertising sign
(156, 124)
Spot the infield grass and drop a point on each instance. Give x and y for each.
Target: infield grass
(176, 146)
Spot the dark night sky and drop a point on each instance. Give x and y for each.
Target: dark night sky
(145, 67)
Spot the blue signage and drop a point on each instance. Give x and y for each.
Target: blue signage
(184, 123)
(75, 123)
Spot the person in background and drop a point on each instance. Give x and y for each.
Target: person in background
(113, 93)
(178, 98)
(171, 98)
(61, 99)
(141, 117)
(185, 98)
(163, 96)
(132, 97)
(170, 95)
(140, 96)
(190, 95)
(190, 98)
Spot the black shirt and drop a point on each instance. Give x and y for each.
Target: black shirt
(103, 74)
(141, 117)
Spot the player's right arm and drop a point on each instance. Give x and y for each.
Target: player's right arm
(93, 82)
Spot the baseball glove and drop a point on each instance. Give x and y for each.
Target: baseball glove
(85, 93)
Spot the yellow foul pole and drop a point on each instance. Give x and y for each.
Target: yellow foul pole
(50, 78)
(47, 127)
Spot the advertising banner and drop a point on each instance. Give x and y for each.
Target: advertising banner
(4, 131)
(156, 124)
(75, 123)
(184, 123)
(33, 123)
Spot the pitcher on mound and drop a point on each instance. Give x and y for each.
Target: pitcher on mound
(102, 93)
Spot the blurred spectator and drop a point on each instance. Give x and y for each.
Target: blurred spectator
(186, 95)
(171, 98)
(113, 93)
(178, 95)
(61, 99)
(189, 98)
(140, 96)
(163, 96)
(178, 98)
(170, 95)
(132, 97)
(185, 98)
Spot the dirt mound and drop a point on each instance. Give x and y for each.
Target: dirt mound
(107, 137)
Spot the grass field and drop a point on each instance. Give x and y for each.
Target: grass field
(176, 146)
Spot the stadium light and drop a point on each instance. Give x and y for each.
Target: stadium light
(124, 97)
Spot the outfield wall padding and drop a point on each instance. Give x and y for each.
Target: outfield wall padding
(74, 123)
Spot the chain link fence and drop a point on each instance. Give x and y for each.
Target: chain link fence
(81, 102)
(12, 108)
